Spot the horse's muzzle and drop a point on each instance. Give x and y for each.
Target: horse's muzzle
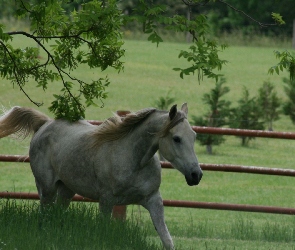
(194, 178)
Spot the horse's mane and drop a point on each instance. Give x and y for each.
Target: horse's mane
(117, 127)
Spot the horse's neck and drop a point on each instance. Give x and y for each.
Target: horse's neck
(146, 136)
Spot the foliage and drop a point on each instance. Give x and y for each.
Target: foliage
(203, 54)
(73, 33)
(287, 61)
(289, 106)
(63, 38)
(219, 110)
(269, 101)
(248, 115)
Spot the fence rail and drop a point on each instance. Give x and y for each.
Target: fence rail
(244, 132)
(206, 167)
(176, 203)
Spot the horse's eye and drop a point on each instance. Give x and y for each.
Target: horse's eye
(176, 139)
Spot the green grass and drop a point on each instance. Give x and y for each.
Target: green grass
(148, 75)
(22, 226)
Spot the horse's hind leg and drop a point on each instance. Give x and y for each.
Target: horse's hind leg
(47, 193)
(64, 195)
(54, 193)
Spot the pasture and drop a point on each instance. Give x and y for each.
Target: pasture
(148, 75)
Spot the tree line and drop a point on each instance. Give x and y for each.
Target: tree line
(251, 112)
(222, 17)
(226, 17)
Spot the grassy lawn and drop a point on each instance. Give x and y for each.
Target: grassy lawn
(148, 75)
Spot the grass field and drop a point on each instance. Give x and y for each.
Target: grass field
(80, 227)
(148, 75)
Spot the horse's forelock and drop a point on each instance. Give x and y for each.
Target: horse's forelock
(179, 117)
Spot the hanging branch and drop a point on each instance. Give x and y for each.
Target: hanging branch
(19, 81)
(275, 16)
(95, 25)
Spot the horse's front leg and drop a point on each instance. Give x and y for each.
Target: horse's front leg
(154, 205)
(105, 207)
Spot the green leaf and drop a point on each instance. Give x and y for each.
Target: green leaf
(278, 18)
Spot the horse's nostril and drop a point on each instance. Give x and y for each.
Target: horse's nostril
(195, 176)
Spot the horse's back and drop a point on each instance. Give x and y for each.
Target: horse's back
(59, 134)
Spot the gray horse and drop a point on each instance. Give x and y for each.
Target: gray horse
(114, 163)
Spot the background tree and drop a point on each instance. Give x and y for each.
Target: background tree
(270, 103)
(287, 62)
(289, 105)
(165, 102)
(219, 110)
(248, 115)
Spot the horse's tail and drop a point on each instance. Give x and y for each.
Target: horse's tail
(21, 121)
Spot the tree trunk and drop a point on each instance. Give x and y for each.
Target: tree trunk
(188, 34)
(209, 149)
(270, 126)
(293, 40)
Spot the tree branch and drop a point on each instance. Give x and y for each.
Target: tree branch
(49, 56)
(25, 7)
(55, 37)
(245, 14)
(190, 3)
(38, 104)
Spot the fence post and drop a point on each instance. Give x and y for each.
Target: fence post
(119, 212)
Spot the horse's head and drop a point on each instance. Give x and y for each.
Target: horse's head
(177, 145)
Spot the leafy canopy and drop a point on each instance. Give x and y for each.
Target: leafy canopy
(63, 37)
(90, 34)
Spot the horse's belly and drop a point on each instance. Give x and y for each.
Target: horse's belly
(83, 186)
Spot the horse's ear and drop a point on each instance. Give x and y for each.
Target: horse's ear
(173, 111)
(184, 109)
